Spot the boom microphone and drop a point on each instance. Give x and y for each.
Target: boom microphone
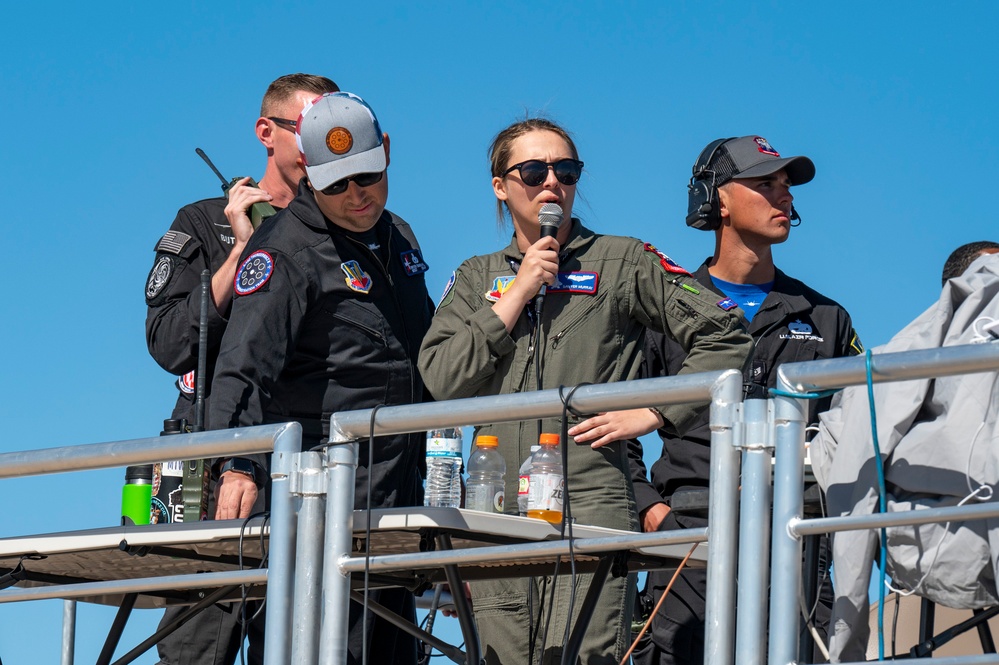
(550, 218)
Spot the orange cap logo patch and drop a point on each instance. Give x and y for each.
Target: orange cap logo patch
(339, 140)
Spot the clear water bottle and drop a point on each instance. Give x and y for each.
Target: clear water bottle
(443, 487)
(523, 487)
(486, 487)
(544, 499)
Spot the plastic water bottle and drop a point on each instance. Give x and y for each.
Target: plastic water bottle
(485, 489)
(523, 487)
(443, 488)
(544, 499)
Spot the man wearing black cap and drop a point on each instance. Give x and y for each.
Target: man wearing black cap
(328, 313)
(740, 189)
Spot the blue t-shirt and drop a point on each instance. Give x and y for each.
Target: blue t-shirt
(747, 296)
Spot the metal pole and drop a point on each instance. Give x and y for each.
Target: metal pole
(754, 533)
(790, 415)
(723, 509)
(281, 556)
(975, 511)
(351, 425)
(309, 482)
(341, 465)
(68, 631)
(842, 372)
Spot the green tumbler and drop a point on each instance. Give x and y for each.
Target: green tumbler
(137, 494)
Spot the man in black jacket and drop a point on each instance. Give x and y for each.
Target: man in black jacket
(740, 190)
(212, 234)
(330, 307)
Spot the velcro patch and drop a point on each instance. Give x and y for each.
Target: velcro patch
(356, 279)
(668, 264)
(727, 304)
(447, 295)
(173, 242)
(764, 146)
(186, 383)
(413, 262)
(575, 282)
(253, 273)
(855, 343)
(159, 276)
(500, 286)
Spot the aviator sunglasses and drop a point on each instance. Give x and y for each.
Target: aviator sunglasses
(361, 180)
(534, 171)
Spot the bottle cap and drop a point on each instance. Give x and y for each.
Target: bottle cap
(486, 441)
(548, 440)
(138, 474)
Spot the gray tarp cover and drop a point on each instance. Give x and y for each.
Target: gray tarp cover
(940, 441)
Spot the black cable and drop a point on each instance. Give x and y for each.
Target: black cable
(367, 537)
(894, 625)
(243, 590)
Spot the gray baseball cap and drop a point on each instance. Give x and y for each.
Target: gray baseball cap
(754, 157)
(339, 137)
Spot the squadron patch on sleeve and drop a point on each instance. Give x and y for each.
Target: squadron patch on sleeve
(186, 383)
(448, 294)
(159, 276)
(668, 264)
(253, 273)
(173, 242)
(413, 262)
(855, 344)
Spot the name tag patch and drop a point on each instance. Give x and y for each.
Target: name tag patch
(413, 262)
(575, 282)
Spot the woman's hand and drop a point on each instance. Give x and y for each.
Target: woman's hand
(605, 428)
(540, 266)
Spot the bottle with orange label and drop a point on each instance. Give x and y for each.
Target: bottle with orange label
(544, 500)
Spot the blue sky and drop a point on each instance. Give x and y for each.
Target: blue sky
(893, 101)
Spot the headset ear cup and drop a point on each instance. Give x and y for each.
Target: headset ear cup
(702, 206)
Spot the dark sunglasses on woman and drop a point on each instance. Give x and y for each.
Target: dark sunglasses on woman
(534, 171)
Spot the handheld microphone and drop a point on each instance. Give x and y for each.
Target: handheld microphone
(550, 218)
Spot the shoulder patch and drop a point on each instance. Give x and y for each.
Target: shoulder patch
(855, 344)
(159, 276)
(668, 264)
(173, 242)
(186, 383)
(413, 262)
(253, 273)
(448, 294)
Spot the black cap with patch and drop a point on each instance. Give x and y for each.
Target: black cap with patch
(754, 157)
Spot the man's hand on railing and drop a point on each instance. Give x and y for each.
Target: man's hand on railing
(235, 495)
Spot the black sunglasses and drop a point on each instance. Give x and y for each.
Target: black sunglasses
(284, 121)
(534, 171)
(361, 180)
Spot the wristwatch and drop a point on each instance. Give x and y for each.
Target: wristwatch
(244, 466)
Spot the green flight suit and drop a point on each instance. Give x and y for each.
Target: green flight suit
(610, 288)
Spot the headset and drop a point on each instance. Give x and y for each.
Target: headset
(702, 191)
(703, 209)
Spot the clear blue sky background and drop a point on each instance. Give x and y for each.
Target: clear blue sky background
(894, 102)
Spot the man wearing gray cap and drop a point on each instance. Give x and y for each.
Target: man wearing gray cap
(740, 189)
(328, 312)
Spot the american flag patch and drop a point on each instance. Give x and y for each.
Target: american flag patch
(173, 242)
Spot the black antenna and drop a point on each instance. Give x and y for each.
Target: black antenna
(225, 183)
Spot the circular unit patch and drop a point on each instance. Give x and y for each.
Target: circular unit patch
(254, 273)
(159, 276)
(339, 140)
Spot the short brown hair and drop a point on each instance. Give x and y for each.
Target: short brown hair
(502, 146)
(284, 88)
